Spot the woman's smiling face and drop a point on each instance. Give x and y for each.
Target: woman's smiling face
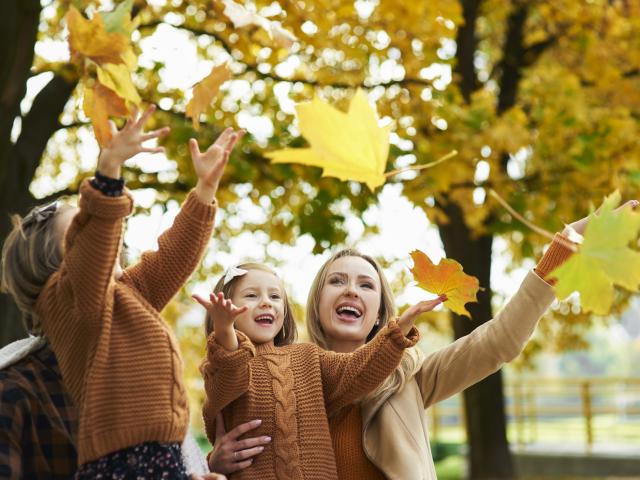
(349, 300)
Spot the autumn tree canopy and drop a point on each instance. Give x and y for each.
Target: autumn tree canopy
(541, 99)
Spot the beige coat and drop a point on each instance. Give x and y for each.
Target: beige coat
(395, 436)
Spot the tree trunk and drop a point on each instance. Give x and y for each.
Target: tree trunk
(19, 160)
(489, 454)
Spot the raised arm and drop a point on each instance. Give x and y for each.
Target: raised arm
(477, 355)
(347, 377)
(93, 240)
(160, 274)
(227, 376)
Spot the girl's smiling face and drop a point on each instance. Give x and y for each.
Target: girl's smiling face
(262, 293)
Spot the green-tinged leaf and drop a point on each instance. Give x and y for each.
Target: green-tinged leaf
(604, 259)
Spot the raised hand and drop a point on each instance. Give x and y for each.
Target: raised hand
(209, 165)
(580, 226)
(127, 142)
(223, 313)
(408, 318)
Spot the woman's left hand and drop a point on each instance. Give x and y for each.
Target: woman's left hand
(408, 318)
(209, 165)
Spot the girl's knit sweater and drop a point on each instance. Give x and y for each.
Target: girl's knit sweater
(294, 389)
(118, 358)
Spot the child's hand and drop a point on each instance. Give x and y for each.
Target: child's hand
(127, 142)
(408, 318)
(223, 313)
(209, 165)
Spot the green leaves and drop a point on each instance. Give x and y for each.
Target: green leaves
(604, 258)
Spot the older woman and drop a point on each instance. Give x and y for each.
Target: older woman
(385, 435)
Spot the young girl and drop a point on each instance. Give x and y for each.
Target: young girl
(118, 358)
(255, 371)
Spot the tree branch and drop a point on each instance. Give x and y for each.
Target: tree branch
(277, 78)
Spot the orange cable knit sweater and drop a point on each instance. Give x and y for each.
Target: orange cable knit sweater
(346, 428)
(294, 389)
(118, 358)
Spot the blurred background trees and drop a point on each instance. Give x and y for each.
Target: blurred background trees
(541, 99)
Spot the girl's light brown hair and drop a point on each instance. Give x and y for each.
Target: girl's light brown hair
(412, 358)
(30, 254)
(288, 333)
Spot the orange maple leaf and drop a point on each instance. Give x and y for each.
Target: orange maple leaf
(99, 104)
(90, 39)
(205, 91)
(446, 278)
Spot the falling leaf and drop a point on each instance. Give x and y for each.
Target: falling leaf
(447, 278)
(205, 91)
(119, 19)
(99, 104)
(241, 17)
(349, 146)
(603, 260)
(118, 79)
(90, 39)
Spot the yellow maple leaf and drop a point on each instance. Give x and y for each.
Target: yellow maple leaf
(241, 17)
(205, 91)
(446, 278)
(603, 260)
(89, 38)
(99, 104)
(348, 146)
(117, 78)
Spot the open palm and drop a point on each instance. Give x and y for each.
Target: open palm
(209, 165)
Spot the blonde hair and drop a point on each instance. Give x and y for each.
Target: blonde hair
(412, 358)
(30, 254)
(288, 333)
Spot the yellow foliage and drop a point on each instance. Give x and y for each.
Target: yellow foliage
(349, 146)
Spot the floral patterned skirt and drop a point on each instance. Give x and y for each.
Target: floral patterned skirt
(149, 460)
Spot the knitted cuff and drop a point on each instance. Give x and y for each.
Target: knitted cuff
(217, 353)
(95, 203)
(399, 338)
(111, 187)
(194, 207)
(557, 253)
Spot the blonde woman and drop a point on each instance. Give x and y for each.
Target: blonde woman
(385, 436)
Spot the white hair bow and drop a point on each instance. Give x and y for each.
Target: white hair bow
(233, 272)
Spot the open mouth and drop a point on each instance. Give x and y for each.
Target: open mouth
(348, 313)
(265, 319)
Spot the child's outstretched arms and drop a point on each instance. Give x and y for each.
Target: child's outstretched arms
(160, 274)
(94, 236)
(127, 143)
(223, 313)
(226, 370)
(209, 165)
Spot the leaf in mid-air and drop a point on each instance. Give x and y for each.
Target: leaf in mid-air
(241, 17)
(99, 104)
(205, 91)
(349, 146)
(117, 77)
(119, 19)
(89, 38)
(446, 278)
(603, 260)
